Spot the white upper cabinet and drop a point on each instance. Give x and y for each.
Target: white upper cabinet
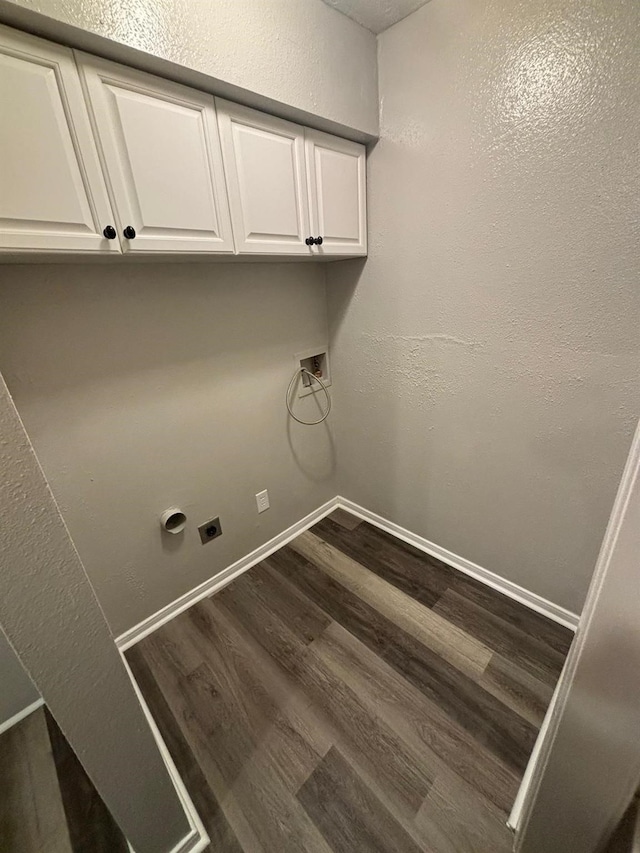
(265, 169)
(292, 190)
(161, 152)
(336, 179)
(52, 192)
(98, 157)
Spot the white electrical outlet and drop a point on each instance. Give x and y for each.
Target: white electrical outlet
(262, 499)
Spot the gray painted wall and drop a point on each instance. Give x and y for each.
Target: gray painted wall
(486, 356)
(16, 688)
(589, 765)
(145, 386)
(49, 612)
(274, 54)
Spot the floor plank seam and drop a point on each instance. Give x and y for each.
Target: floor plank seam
(362, 681)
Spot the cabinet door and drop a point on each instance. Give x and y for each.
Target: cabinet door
(161, 151)
(264, 165)
(336, 176)
(52, 192)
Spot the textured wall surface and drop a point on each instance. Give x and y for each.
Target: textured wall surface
(589, 764)
(49, 612)
(142, 387)
(376, 15)
(17, 690)
(298, 53)
(486, 357)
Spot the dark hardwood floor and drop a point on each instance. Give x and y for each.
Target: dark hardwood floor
(47, 802)
(351, 693)
(32, 817)
(626, 837)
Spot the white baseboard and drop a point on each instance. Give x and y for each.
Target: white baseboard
(197, 839)
(12, 721)
(151, 623)
(506, 587)
(189, 844)
(515, 817)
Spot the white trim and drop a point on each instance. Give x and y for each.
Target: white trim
(12, 721)
(515, 817)
(546, 744)
(148, 625)
(506, 587)
(197, 839)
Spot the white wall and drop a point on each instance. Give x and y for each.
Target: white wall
(297, 58)
(486, 356)
(376, 15)
(145, 386)
(17, 691)
(49, 612)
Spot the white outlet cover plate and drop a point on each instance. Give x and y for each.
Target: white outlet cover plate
(262, 501)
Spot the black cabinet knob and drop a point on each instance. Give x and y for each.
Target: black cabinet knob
(110, 232)
(318, 241)
(129, 232)
(309, 241)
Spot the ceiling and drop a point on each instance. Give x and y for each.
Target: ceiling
(376, 15)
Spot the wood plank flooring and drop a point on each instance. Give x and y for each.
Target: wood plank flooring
(351, 693)
(31, 812)
(626, 838)
(91, 827)
(47, 802)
